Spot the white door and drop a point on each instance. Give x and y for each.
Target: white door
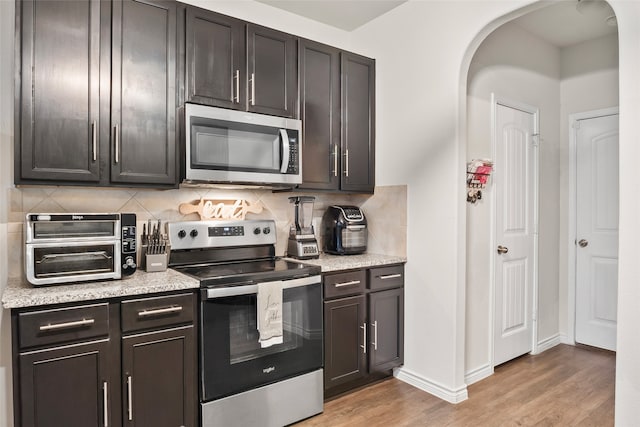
(515, 216)
(597, 231)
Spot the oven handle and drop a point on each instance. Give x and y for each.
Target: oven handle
(233, 291)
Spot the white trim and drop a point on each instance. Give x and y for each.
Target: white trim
(548, 343)
(478, 374)
(431, 387)
(572, 215)
(564, 339)
(495, 101)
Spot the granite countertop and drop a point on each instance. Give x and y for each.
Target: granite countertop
(330, 263)
(19, 293)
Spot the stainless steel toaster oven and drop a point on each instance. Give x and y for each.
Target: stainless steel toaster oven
(66, 248)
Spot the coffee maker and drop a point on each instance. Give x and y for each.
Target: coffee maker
(302, 241)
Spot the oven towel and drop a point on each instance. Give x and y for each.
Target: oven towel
(269, 315)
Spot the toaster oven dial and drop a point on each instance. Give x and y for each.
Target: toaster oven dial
(193, 233)
(182, 234)
(256, 230)
(266, 230)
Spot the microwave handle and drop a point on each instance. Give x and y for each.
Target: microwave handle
(233, 291)
(285, 151)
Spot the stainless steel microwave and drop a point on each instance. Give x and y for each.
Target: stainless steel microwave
(229, 146)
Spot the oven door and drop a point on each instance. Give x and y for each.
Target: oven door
(232, 359)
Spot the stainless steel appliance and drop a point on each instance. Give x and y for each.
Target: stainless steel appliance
(228, 146)
(302, 242)
(65, 248)
(344, 230)
(245, 381)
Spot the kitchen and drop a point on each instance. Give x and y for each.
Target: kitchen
(433, 135)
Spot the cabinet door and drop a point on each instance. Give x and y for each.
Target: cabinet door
(386, 321)
(159, 375)
(344, 340)
(320, 113)
(272, 80)
(143, 138)
(67, 386)
(215, 53)
(358, 123)
(58, 98)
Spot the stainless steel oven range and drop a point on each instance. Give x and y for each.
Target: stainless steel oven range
(260, 346)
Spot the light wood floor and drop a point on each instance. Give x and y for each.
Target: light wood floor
(564, 386)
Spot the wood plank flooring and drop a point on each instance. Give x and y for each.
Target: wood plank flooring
(564, 386)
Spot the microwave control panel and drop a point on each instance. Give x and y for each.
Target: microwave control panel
(294, 159)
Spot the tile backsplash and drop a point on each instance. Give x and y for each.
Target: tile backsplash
(386, 211)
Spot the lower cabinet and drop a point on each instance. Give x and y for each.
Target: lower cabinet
(116, 363)
(364, 326)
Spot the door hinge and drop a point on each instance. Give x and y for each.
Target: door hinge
(576, 124)
(535, 139)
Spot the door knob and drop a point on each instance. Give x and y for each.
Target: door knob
(583, 243)
(502, 249)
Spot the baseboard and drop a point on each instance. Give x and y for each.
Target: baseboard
(478, 374)
(431, 387)
(548, 343)
(565, 339)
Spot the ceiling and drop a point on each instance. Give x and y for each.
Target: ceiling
(569, 22)
(344, 14)
(565, 23)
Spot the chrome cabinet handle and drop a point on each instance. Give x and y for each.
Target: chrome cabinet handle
(253, 89)
(160, 311)
(583, 243)
(375, 334)
(502, 249)
(117, 142)
(94, 139)
(237, 79)
(105, 404)
(335, 160)
(390, 276)
(129, 397)
(353, 282)
(364, 338)
(66, 325)
(346, 165)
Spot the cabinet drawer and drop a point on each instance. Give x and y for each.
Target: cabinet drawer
(156, 312)
(386, 277)
(44, 327)
(341, 284)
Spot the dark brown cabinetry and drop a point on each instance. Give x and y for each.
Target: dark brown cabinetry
(158, 362)
(65, 356)
(96, 105)
(337, 102)
(238, 65)
(106, 364)
(216, 71)
(364, 326)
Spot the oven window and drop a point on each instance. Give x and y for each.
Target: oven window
(72, 230)
(243, 333)
(73, 260)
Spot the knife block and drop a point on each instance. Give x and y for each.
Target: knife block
(153, 262)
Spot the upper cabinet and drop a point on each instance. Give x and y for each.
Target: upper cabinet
(337, 104)
(216, 71)
(97, 104)
(233, 64)
(58, 118)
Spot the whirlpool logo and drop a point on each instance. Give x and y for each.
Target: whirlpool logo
(268, 370)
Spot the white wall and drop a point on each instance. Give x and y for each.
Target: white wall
(423, 49)
(589, 81)
(530, 76)
(6, 170)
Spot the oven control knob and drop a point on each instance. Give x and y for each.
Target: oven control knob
(256, 230)
(193, 233)
(182, 234)
(266, 230)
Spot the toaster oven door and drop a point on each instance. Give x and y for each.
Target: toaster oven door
(56, 263)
